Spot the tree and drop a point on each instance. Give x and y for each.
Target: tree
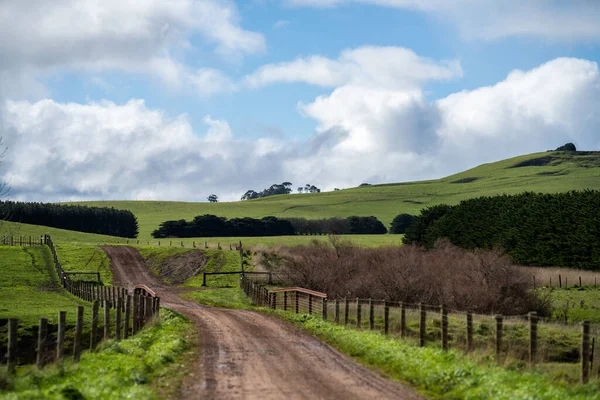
(300, 189)
(401, 222)
(567, 147)
(213, 198)
(364, 184)
(250, 194)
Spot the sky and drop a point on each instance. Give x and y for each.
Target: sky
(179, 99)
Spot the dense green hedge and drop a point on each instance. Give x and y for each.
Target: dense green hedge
(103, 220)
(561, 229)
(210, 225)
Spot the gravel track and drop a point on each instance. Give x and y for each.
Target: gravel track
(249, 355)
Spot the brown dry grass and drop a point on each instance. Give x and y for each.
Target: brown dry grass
(477, 281)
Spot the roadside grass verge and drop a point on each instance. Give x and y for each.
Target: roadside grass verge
(120, 370)
(435, 373)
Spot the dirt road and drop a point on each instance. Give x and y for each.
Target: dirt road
(248, 355)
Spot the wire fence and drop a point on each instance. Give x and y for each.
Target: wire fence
(518, 338)
(116, 313)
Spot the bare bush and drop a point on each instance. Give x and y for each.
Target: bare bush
(477, 281)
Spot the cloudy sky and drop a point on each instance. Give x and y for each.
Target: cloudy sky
(157, 99)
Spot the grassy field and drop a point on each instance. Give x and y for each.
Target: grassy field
(560, 172)
(29, 288)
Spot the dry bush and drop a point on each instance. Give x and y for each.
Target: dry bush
(477, 281)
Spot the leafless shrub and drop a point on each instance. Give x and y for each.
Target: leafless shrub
(477, 281)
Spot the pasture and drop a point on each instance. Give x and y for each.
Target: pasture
(547, 172)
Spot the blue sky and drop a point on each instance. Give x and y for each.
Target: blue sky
(224, 96)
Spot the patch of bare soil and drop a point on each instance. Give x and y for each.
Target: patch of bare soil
(248, 355)
(179, 268)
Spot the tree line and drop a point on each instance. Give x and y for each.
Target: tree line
(338, 226)
(279, 188)
(211, 225)
(561, 229)
(102, 220)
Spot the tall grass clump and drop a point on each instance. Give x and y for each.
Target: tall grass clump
(477, 281)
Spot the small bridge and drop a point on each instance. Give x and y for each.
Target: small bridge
(143, 290)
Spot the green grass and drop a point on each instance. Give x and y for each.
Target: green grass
(437, 374)
(119, 370)
(576, 304)
(222, 297)
(29, 288)
(565, 172)
(58, 235)
(84, 257)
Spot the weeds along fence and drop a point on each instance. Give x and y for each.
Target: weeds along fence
(115, 314)
(510, 340)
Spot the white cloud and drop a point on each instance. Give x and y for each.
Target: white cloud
(106, 150)
(368, 66)
(492, 19)
(42, 36)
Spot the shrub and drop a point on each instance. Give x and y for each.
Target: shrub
(478, 281)
(401, 222)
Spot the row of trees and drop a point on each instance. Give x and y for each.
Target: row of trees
(561, 229)
(210, 225)
(103, 220)
(338, 226)
(279, 188)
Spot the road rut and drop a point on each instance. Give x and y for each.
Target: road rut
(249, 355)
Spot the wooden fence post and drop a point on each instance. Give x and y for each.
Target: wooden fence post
(371, 314)
(386, 317)
(285, 296)
(118, 318)
(469, 332)
(127, 317)
(444, 312)
(93, 332)
(358, 313)
(204, 279)
(402, 319)
(310, 304)
(533, 339)
(499, 321)
(274, 301)
(346, 311)
(149, 314)
(324, 308)
(78, 333)
(297, 302)
(559, 281)
(42, 340)
(533, 276)
(11, 356)
(106, 319)
(135, 316)
(422, 324)
(336, 316)
(60, 339)
(585, 352)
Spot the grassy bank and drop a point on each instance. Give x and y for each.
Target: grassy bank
(437, 374)
(119, 370)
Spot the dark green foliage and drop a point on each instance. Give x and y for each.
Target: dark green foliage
(560, 229)
(401, 222)
(103, 220)
(535, 162)
(283, 188)
(365, 225)
(567, 147)
(210, 225)
(337, 226)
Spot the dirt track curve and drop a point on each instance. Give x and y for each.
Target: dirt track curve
(249, 355)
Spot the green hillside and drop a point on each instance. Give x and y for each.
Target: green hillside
(540, 172)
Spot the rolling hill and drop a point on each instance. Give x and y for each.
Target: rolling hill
(539, 172)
